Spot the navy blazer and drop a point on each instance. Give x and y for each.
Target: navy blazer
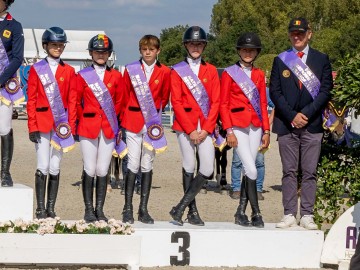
(12, 36)
(289, 99)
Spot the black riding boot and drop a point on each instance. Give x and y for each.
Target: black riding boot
(256, 218)
(101, 185)
(194, 188)
(193, 216)
(7, 148)
(52, 191)
(143, 215)
(40, 186)
(240, 217)
(88, 192)
(128, 216)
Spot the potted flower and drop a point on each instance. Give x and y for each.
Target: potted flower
(51, 241)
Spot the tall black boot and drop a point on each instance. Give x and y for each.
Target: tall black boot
(88, 192)
(143, 215)
(240, 217)
(194, 188)
(7, 148)
(40, 186)
(101, 185)
(256, 218)
(128, 216)
(193, 216)
(52, 191)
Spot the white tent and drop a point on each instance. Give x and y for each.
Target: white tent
(76, 49)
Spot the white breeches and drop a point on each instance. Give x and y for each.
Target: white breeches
(249, 140)
(137, 153)
(97, 154)
(48, 158)
(205, 150)
(5, 118)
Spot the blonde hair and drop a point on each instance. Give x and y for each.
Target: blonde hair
(149, 40)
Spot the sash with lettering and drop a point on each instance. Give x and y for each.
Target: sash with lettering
(103, 96)
(12, 92)
(306, 76)
(247, 86)
(154, 137)
(199, 93)
(62, 137)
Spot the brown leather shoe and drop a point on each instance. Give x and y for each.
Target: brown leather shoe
(260, 196)
(234, 195)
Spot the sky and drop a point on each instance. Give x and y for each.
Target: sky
(124, 21)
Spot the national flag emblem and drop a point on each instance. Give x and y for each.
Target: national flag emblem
(297, 23)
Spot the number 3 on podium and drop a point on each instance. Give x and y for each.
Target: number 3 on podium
(185, 236)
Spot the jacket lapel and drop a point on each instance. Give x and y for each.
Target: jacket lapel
(154, 75)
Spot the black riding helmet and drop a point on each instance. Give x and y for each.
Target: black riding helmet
(249, 40)
(195, 33)
(100, 43)
(54, 34)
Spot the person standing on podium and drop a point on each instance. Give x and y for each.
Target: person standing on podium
(11, 58)
(49, 86)
(300, 85)
(243, 111)
(147, 90)
(195, 96)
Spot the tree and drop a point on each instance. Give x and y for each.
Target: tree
(172, 49)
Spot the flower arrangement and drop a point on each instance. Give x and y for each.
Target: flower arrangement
(55, 226)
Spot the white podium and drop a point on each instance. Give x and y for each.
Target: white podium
(16, 202)
(225, 244)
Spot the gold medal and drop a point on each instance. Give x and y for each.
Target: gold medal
(286, 73)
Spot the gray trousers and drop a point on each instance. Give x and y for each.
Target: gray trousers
(299, 151)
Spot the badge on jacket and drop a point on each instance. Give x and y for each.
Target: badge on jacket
(286, 73)
(6, 33)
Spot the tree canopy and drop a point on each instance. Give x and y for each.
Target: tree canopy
(335, 25)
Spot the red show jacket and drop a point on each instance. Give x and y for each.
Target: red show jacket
(159, 84)
(40, 117)
(91, 117)
(235, 108)
(187, 111)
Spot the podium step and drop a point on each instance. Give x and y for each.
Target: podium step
(16, 202)
(225, 244)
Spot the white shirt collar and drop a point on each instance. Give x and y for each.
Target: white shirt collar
(53, 61)
(305, 51)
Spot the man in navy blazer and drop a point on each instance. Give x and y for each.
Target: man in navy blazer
(298, 120)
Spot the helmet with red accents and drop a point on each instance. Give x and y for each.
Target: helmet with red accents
(101, 43)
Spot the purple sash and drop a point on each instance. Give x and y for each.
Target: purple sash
(103, 96)
(62, 138)
(306, 76)
(199, 93)
(301, 71)
(247, 86)
(154, 138)
(12, 92)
